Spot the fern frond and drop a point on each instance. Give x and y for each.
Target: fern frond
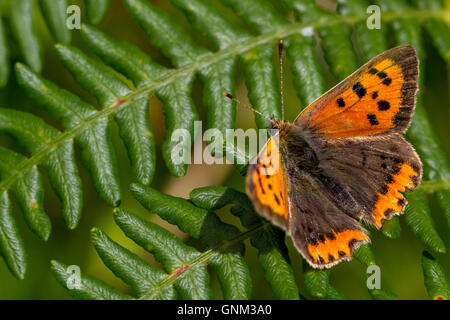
(90, 288)
(4, 55)
(19, 15)
(22, 26)
(11, 244)
(186, 267)
(435, 279)
(28, 191)
(380, 294)
(269, 241)
(59, 162)
(96, 10)
(125, 98)
(55, 14)
(232, 272)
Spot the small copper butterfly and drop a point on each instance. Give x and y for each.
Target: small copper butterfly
(342, 160)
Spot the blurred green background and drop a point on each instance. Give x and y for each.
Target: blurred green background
(400, 260)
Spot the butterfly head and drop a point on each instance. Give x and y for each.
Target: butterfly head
(282, 126)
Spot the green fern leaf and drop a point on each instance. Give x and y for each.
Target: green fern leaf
(435, 278)
(379, 294)
(11, 244)
(128, 266)
(335, 294)
(174, 255)
(71, 111)
(28, 191)
(89, 289)
(272, 251)
(231, 269)
(4, 56)
(179, 108)
(316, 281)
(21, 21)
(96, 10)
(36, 135)
(418, 218)
(125, 96)
(55, 15)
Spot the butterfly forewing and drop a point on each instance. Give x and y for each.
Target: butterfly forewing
(378, 98)
(266, 184)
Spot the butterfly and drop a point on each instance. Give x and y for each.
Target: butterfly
(343, 160)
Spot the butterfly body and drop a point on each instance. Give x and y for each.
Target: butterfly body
(341, 161)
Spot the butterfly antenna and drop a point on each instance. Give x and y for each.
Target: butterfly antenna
(229, 96)
(280, 55)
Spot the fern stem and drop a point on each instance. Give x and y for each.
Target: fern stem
(209, 59)
(203, 258)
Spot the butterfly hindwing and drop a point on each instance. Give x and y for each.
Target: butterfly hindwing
(375, 171)
(378, 98)
(319, 229)
(266, 184)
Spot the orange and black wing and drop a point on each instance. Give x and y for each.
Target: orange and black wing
(355, 130)
(375, 171)
(266, 184)
(318, 226)
(378, 98)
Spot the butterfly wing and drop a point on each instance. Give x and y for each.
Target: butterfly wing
(320, 231)
(355, 179)
(354, 130)
(376, 99)
(376, 171)
(266, 184)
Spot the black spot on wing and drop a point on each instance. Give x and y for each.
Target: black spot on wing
(387, 81)
(375, 95)
(372, 119)
(381, 74)
(261, 185)
(340, 102)
(359, 90)
(277, 200)
(383, 105)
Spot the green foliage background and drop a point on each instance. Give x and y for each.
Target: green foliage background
(400, 259)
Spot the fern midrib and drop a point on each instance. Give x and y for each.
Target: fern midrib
(203, 258)
(206, 60)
